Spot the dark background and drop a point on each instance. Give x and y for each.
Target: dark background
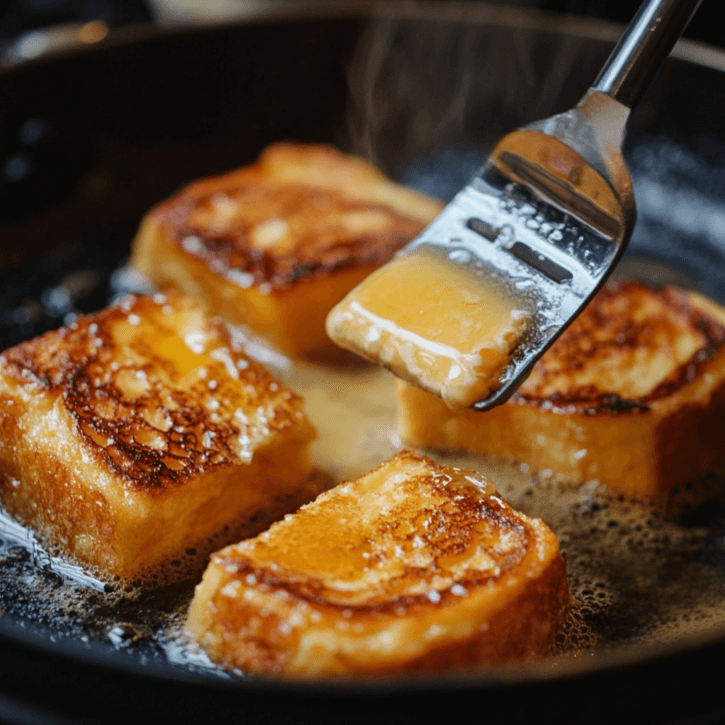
(17, 16)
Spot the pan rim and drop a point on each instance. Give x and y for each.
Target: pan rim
(483, 13)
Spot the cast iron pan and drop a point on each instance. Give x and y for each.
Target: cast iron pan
(90, 139)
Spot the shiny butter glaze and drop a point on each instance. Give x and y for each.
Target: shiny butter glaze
(412, 566)
(158, 393)
(410, 528)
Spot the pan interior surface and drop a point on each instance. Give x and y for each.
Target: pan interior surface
(90, 141)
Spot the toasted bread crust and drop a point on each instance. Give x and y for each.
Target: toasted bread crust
(275, 245)
(414, 566)
(140, 439)
(141, 420)
(448, 531)
(630, 347)
(297, 213)
(632, 396)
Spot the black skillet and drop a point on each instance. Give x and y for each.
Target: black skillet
(89, 139)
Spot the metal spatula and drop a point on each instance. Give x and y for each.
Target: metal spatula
(553, 208)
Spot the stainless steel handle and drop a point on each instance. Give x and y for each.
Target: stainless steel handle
(643, 48)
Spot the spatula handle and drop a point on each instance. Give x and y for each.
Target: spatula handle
(643, 48)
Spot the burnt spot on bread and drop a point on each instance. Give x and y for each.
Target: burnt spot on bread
(273, 246)
(299, 212)
(276, 234)
(631, 346)
(156, 391)
(416, 554)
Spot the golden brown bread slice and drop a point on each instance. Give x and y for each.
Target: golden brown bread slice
(141, 435)
(414, 566)
(632, 395)
(275, 245)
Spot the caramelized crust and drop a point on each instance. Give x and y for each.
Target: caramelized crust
(301, 217)
(631, 347)
(413, 566)
(159, 406)
(137, 416)
(632, 395)
(294, 214)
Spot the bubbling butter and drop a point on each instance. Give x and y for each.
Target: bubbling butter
(434, 324)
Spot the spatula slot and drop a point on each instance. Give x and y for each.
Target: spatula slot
(540, 263)
(484, 229)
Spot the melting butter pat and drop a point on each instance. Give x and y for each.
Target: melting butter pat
(434, 324)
